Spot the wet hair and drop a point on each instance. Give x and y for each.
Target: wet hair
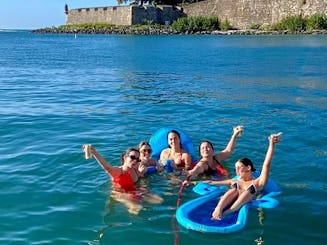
(142, 143)
(178, 134)
(247, 162)
(206, 141)
(126, 153)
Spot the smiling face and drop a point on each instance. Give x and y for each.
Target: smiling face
(145, 152)
(242, 170)
(131, 159)
(173, 140)
(206, 150)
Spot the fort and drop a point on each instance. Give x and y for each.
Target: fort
(240, 14)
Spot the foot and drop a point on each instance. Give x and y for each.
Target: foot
(217, 214)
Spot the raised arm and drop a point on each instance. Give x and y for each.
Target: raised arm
(224, 154)
(263, 178)
(102, 162)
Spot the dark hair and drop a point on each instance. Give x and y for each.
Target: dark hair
(126, 153)
(142, 143)
(206, 141)
(178, 134)
(247, 162)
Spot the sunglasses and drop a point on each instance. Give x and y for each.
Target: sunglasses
(133, 158)
(146, 151)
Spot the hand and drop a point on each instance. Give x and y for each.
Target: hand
(185, 183)
(238, 130)
(141, 168)
(274, 138)
(88, 151)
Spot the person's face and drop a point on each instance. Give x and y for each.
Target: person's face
(132, 159)
(241, 169)
(145, 151)
(206, 150)
(173, 140)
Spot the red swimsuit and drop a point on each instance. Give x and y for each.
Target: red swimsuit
(124, 182)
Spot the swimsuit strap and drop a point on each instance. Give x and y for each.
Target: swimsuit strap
(252, 188)
(220, 167)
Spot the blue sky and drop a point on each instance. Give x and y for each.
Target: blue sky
(33, 14)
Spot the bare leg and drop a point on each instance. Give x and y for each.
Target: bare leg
(132, 206)
(152, 198)
(243, 198)
(225, 200)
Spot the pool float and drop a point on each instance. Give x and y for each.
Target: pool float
(158, 142)
(196, 214)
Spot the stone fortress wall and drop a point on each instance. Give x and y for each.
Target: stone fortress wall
(241, 14)
(244, 13)
(124, 15)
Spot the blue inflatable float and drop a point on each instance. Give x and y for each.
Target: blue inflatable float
(196, 214)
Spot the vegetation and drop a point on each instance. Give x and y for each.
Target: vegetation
(299, 23)
(198, 24)
(191, 25)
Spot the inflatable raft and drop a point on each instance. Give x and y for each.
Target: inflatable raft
(196, 214)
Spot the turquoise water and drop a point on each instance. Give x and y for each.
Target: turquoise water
(58, 92)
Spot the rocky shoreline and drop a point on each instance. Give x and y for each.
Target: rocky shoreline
(167, 30)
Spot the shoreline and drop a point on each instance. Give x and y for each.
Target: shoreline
(168, 30)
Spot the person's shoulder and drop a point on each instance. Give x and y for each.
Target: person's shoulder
(185, 152)
(165, 151)
(201, 161)
(217, 156)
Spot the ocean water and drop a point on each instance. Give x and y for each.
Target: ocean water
(58, 92)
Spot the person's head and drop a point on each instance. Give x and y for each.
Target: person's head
(244, 166)
(174, 139)
(206, 149)
(145, 149)
(130, 158)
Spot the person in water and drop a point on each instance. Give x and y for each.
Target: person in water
(245, 187)
(179, 158)
(210, 163)
(124, 177)
(150, 165)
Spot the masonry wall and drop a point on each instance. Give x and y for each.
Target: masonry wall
(119, 15)
(240, 13)
(123, 15)
(244, 13)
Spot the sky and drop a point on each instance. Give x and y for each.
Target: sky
(34, 14)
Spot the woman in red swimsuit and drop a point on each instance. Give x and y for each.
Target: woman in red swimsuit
(124, 178)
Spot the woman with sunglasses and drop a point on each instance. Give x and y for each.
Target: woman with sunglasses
(147, 164)
(124, 178)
